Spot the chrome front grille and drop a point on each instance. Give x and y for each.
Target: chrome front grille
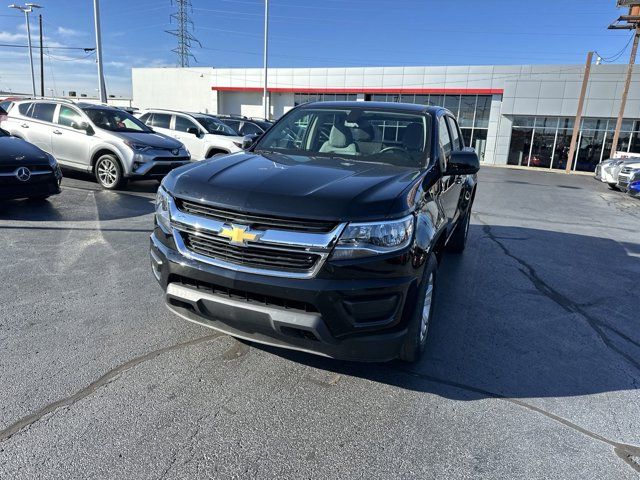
(275, 246)
(251, 255)
(257, 221)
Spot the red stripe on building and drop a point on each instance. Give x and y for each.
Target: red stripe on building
(418, 91)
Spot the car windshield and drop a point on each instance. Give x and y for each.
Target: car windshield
(357, 133)
(216, 127)
(115, 120)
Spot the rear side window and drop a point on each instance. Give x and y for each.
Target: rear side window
(144, 118)
(161, 120)
(43, 111)
(455, 135)
(24, 108)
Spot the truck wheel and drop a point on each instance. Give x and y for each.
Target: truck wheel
(614, 186)
(458, 239)
(109, 172)
(416, 339)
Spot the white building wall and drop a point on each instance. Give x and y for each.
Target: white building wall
(174, 88)
(528, 90)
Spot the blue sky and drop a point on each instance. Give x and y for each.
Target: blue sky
(319, 33)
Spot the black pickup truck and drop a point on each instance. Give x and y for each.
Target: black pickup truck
(325, 234)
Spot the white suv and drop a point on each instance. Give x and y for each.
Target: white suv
(104, 140)
(204, 135)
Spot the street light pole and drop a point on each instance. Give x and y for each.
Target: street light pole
(101, 85)
(27, 8)
(265, 93)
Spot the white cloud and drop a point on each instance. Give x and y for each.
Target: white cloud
(12, 37)
(69, 32)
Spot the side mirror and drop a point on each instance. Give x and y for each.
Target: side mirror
(463, 162)
(193, 131)
(249, 140)
(84, 126)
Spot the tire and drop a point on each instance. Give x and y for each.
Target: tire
(613, 186)
(108, 172)
(38, 199)
(458, 240)
(421, 316)
(215, 153)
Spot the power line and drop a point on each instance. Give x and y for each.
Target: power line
(86, 49)
(183, 33)
(616, 56)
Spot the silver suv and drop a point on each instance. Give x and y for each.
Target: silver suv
(103, 140)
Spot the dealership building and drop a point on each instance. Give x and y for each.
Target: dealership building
(512, 114)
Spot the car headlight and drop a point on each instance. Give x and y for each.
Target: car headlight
(138, 147)
(375, 238)
(52, 160)
(163, 216)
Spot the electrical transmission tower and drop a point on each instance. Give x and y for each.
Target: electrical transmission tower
(183, 31)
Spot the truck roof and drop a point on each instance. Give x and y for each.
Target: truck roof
(406, 107)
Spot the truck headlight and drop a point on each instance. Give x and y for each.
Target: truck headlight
(163, 216)
(375, 238)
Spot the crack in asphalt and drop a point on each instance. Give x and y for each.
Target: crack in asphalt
(629, 453)
(29, 420)
(563, 301)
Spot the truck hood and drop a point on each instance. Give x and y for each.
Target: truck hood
(16, 151)
(155, 140)
(296, 186)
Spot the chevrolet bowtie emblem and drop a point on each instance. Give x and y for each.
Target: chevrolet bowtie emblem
(238, 235)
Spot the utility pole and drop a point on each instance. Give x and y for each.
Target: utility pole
(265, 93)
(578, 120)
(631, 22)
(41, 59)
(101, 85)
(182, 32)
(27, 8)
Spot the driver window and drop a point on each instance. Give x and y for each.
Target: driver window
(184, 124)
(445, 140)
(457, 144)
(68, 116)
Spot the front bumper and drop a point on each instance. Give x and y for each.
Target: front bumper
(346, 318)
(37, 186)
(157, 163)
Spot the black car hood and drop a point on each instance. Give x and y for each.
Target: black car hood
(14, 151)
(304, 187)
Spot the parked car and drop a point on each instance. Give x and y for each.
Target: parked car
(634, 184)
(607, 171)
(246, 126)
(26, 171)
(314, 240)
(625, 175)
(203, 134)
(107, 141)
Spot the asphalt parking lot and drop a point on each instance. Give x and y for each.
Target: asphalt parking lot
(532, 370)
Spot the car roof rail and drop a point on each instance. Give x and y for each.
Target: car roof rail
(232, 115)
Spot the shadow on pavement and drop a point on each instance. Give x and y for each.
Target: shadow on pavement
(79, 206)
(523, 313)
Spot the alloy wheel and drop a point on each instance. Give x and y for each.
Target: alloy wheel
(107, 172)
(426, 309)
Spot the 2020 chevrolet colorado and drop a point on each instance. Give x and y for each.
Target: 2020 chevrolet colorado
(325, 235)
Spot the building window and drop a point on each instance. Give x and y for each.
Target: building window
(544, 142)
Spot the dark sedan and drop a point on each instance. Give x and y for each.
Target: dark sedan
(26, 171)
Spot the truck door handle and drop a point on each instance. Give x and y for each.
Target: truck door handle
(57, 132)
(24, 125)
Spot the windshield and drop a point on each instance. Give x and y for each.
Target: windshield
(116, 120)
(216, 126)
(358, 133)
